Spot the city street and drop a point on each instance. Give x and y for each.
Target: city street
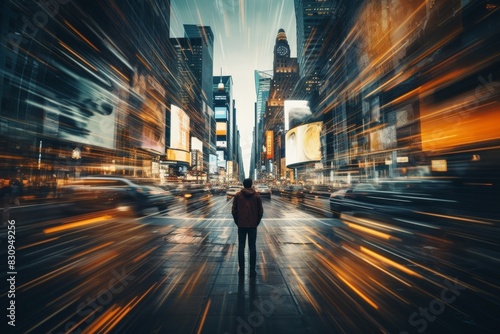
(370, 129)
(176, 272)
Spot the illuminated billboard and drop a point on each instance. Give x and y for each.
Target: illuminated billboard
(148, 94)
(212, 164)
(221, 129)
(269, 144)
(471, 118)
(221, 113)
(303, 144)
(178, 156)
(81, 109)
(196, 144)
(179, 129)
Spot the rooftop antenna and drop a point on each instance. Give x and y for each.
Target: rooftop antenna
(221, 84)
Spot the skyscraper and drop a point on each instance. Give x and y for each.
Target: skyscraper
(262, 87)
(195, 62)
(283, 87)
(314, 21)
(201, 59)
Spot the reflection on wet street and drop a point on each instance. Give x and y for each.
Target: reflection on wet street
(176, 272)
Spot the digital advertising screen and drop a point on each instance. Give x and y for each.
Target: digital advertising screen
(303, 144)
(179, 129)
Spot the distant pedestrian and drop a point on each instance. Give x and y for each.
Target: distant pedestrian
(5, 198)
(247, 212)
(17, 190)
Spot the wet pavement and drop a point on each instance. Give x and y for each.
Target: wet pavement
(176, 272)
(205, 293)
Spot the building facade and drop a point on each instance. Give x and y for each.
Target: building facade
(195, 60)
(283, 87)
(315, 19)
(262, 88)
(225, 125)
(75, 102)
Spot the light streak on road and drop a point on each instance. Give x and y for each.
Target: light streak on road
(73, 225)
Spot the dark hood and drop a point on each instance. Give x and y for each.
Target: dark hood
(248, 192)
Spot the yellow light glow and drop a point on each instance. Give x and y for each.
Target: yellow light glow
(76, 224)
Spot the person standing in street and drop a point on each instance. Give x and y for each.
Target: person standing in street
(247, 213)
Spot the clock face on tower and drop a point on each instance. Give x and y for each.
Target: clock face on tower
(282, 50)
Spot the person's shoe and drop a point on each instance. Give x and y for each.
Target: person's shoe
(253, 273)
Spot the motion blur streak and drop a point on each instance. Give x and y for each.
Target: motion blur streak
(193, 281)
(38, 243)
(115, 314)
(100, 324)
(78, 56)
(360, 293)
(91, 250)
(81, 36)
(305, 291)
(76, 224)
(470, 220)
(370, 231)
(49, 276)
(145, 254)
(204, 317)
(390, 262)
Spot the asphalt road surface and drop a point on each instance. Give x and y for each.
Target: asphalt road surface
(176, 272)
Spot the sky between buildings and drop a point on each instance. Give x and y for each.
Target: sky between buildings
(244, 36)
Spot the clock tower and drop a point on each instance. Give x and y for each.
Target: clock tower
(285, 78)
(282, 87)
(281, 48)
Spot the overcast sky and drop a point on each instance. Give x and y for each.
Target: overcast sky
(244, 36)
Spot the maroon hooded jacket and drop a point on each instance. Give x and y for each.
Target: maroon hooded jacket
(247, 208)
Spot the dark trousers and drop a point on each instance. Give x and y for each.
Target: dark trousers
(252, 237)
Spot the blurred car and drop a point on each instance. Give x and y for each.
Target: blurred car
(291, 191)
(131, 196)
(217, 190)
(340, 199)
(322, 190)
(179, 189)
(277, 190)
(390, 200)
(231, 191)
(263, 190)
(195, 193)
